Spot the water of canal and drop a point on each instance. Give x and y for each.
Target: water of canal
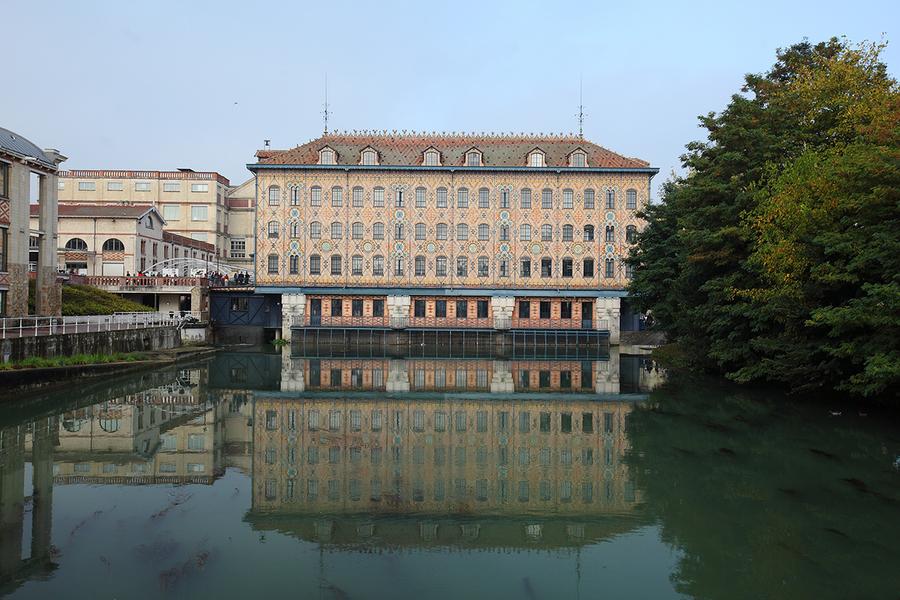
(261, 473)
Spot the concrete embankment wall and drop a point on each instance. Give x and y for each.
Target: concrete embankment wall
(100, 342)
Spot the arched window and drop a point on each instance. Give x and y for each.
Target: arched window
(504, 233)
(378, 231)
(315, 230)
(378, 197)
(113, 245)
(109, 425)
(536, 159)
(398, 231)
(335, 264)
(441, 231)
(631, 199)
(274, 195)
(546, 198)
(568, 233)
(587, 268)
(631, 234)
(578, 159)
(357, 197)
(462, 231)
(76, 244)
(315, 264)
(420, 197)
(440, 266)
(272, 264)
(567, 267)
(273, 229)
(369, 157)
(420, 231)
(432, 158)
(568, 199)
(610, 267)
(315, 196)
(483, 266)
(473, 158)
(357, 231)
(610, 198)
(462, 266)
(484, 198)
(589, 233)
(589, 198)
(295, 195)
(484, 232)
(546, 233)
(525, 232)
(295, 229)
(420, 266)
(337, 197)
(441, 197)
(326, 156)
(337, 230)
(462, 198)
(378, 265)
(610, 233)
(356, 265)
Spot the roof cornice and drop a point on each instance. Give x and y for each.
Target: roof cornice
(254, 167)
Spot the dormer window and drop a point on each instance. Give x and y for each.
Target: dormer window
(473, 158)
(369, 157)
(432, 158)
(327, 156)
(536, 159)
(578, 159)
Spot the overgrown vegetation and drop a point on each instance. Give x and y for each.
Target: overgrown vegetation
(35, 362)
(79, 300)
(777, 257)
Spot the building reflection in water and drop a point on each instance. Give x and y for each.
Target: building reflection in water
(446, 452)
(347, 451)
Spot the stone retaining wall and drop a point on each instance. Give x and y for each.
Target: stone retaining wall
(98, 342)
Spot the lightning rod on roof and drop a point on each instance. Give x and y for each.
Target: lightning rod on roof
(580, 107)
(325, 112)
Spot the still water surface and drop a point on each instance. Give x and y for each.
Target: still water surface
(260, 473)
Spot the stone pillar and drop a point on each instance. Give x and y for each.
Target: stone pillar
(503, 307)
(607, 376)
(17, 257)
(607, 317)
(48, 292)
(398, 376)
(292, 376)
(293, 313)
(398, 311)
(501, 379)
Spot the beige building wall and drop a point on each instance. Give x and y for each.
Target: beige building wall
(242, 224)
(192, 203)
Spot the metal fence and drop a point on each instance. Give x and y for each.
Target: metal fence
(15, 327)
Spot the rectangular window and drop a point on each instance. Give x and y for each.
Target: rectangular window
(567, 198)
(171, 212)
(525, 201)
(631, 199)
(565, 422)
(171, 186)
(462, 198)
(378, 198)
(142, 186)
(337, 307)
(294, 264)
(546, 267)
(504, 198)
(420, 197)
(199, 212)
(462, 309)
(546, 199)
(199, 187)
(545, 422)
(525, 270)
(419, 308)
(356, 265)
(589, 198)
(377, 308)
(484, 198)
(315, 196)
(524, 309)
(115, 186)
(482, 309)
(440, 309)
(356, 307)
(565, 310)
(273, 264)
(357, 197)
(87, 186)
(545, 309)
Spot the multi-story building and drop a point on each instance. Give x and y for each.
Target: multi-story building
(191, 202)
(241, 201)
(523, 232)
(28, 183)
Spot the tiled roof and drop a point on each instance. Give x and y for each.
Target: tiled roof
(181, 240)
(408, 149)
(16, 145)
(113, 211)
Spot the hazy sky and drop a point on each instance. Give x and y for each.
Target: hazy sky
(162, 85)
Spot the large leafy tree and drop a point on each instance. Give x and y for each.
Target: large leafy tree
(738, 262)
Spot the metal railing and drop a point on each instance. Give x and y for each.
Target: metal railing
(144, 282)
(16, 327)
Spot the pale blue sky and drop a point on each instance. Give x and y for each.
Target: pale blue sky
(161, 85)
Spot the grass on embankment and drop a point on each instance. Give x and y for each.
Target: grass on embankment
(35, 362)
(80, 300)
